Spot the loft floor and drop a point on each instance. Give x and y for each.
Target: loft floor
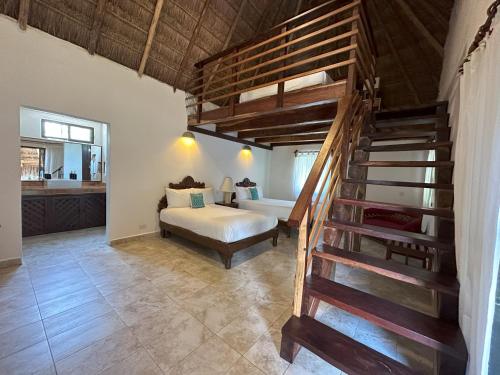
(166, 306)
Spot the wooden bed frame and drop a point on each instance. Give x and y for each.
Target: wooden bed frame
(282, 224)
(225, 249)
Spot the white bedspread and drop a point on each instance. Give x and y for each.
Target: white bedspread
(319, 78)
(276, 207)
(219, 222)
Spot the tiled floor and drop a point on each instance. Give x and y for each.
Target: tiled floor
(155, 306)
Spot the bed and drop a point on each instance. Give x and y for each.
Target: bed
(320, 78)
(276, 207)
(223, 229)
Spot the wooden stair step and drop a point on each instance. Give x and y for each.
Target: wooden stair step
(432, 332)
(408, 147)
(441, 212)
(401, 184)
(407, 134)
(338, 349)
(390, 234)
(409, 120)
(391, 269)
(404, 164)
(414, 110)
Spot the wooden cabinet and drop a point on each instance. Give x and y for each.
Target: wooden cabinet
(59, 213)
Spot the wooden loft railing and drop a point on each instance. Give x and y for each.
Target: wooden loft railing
(334, 37)
(313, 206)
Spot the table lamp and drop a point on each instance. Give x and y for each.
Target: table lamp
(227, 188)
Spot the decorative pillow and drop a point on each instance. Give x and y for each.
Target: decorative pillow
(177, 197)
(242, 193)
(254, 193)
(259, 190)
(197, 200)
(208, 194)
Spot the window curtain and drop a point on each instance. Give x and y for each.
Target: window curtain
(302, 165)
(429, 195)
(477, 196)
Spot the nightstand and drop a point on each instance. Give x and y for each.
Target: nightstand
(232, 204)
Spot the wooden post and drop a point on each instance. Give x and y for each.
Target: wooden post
(199, 98)
(281, 85)
(352, 72)
(234, 71)
(300, 273)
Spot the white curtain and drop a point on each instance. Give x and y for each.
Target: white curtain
(477, 197)
(301, 167)
(429, 195)
(54, 157)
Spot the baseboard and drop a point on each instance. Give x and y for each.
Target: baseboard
(123, 240)
(10, 262)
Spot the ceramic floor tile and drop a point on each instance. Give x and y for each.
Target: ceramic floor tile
(21, 338)
(244, 367)
(138, 363)
(84, 335)
(153, 306)
(177, 342)
(101, 355)
(12, 319)
(264, 354)
(68, 301)
(245, 330)
(213, 357)
(75, 317)
(178, 284)
(34, 360)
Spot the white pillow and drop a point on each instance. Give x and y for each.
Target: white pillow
(178, 198)
(208, 194)
(242, 193)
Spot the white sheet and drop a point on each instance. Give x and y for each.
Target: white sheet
(319, 78)
(276, 207)
(219, 222)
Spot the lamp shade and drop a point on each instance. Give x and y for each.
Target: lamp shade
(227, 185)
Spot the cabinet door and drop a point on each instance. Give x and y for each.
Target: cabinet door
(94, 210)
(66, 213)
(34, 211)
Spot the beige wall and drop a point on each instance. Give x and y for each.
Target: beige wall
(146, 120)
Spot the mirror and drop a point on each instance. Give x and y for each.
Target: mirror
(61, 160)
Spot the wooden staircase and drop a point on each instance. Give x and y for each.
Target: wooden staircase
(342, 228)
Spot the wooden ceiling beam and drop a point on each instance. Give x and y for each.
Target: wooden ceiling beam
(24, 12)
(192, 40)
(298, 143)
(285, 130)
(435, 13)
(395, 55)
(95, 31)
(431, 39)
(151, 35)
(251, 126)
(227, 137)
(293, 138)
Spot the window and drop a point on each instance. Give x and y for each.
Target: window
(32, 163)
(68, 132)
(302, 165)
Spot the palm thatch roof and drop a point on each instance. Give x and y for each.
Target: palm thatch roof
(165, 38)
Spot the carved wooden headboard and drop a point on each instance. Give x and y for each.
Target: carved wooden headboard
(246, 183)
(187, 182)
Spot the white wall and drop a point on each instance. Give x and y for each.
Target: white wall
(31, 123)
(146, 120)
(280, 180)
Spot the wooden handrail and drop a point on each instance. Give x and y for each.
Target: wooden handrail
(304, 200)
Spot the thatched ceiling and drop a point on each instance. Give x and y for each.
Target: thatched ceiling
(407, 32)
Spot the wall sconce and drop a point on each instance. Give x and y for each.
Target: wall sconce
(188, 138)
(246, 149)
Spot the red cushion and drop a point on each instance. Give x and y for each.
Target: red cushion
(393, 219)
